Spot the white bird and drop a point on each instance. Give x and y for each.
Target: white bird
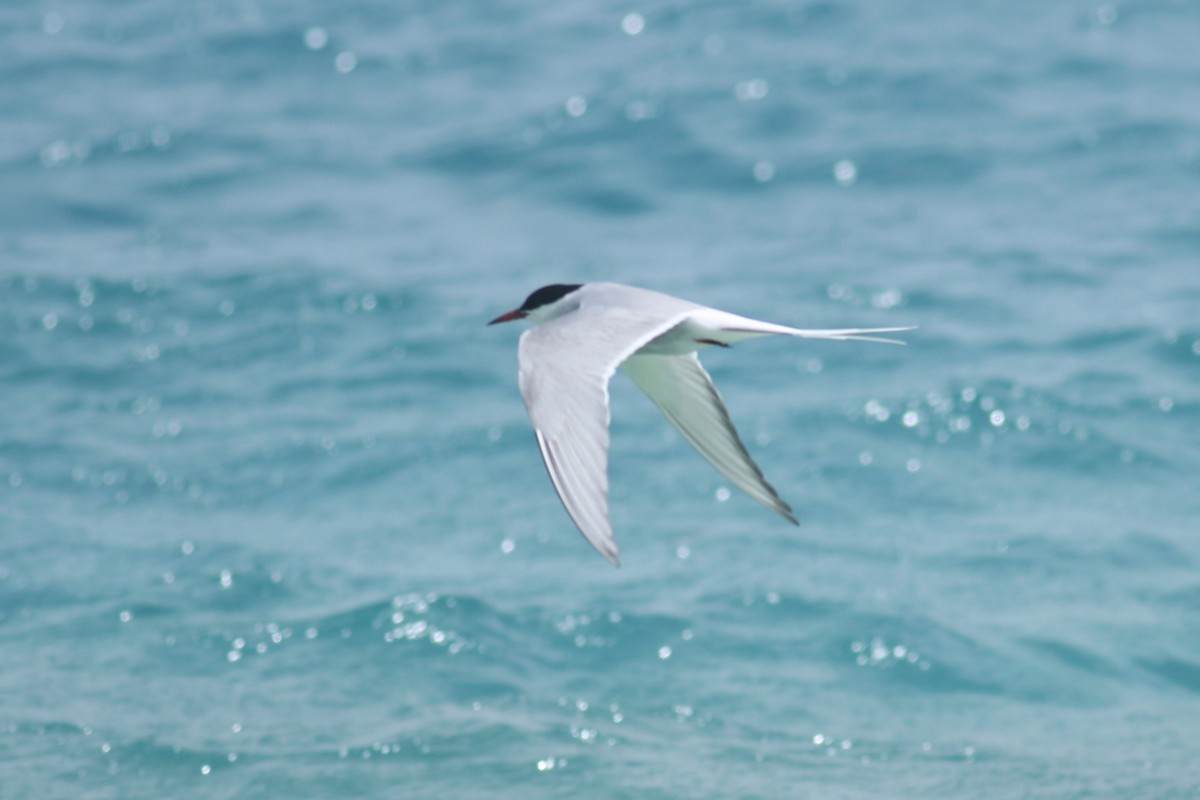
(584, 332)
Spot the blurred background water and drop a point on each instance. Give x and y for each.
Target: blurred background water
(272, 521)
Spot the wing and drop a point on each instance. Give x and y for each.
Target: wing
(681, 388)
(565, 366)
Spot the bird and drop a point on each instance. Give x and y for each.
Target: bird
(584, 332)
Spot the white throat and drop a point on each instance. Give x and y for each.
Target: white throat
(561, 306)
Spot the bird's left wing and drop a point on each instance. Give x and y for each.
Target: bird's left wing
(565, 366)
(685, 394)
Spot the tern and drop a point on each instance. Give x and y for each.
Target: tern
(582, 334)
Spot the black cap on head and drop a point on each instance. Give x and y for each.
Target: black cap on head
(548, 294)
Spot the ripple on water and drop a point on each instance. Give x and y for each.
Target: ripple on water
(1179, 672)
(1064, 427)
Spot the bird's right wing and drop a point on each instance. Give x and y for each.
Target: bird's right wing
(565, 366)
(682, 390)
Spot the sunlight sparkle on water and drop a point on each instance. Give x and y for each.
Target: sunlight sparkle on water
(316, 38)
(576, 105)
(845, 172)
(753, 89)
(877, 411)
(55, 153)
(888, 298)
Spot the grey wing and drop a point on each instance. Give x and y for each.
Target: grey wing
(578, 467)
(682, 390)
(565, 366)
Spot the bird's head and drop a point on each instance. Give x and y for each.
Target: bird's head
(545, 304)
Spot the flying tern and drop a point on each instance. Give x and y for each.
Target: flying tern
(582, 333)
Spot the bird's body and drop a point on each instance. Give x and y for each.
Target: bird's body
(584, 332)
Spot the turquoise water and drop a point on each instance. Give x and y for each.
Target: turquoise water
(272, 520)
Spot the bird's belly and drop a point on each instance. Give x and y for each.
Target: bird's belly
(688, 337)
(669, 344)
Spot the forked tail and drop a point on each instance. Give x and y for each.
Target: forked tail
(837, 334)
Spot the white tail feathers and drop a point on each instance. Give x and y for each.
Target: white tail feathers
(836, 334)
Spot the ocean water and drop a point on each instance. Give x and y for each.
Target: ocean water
(272, 520)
